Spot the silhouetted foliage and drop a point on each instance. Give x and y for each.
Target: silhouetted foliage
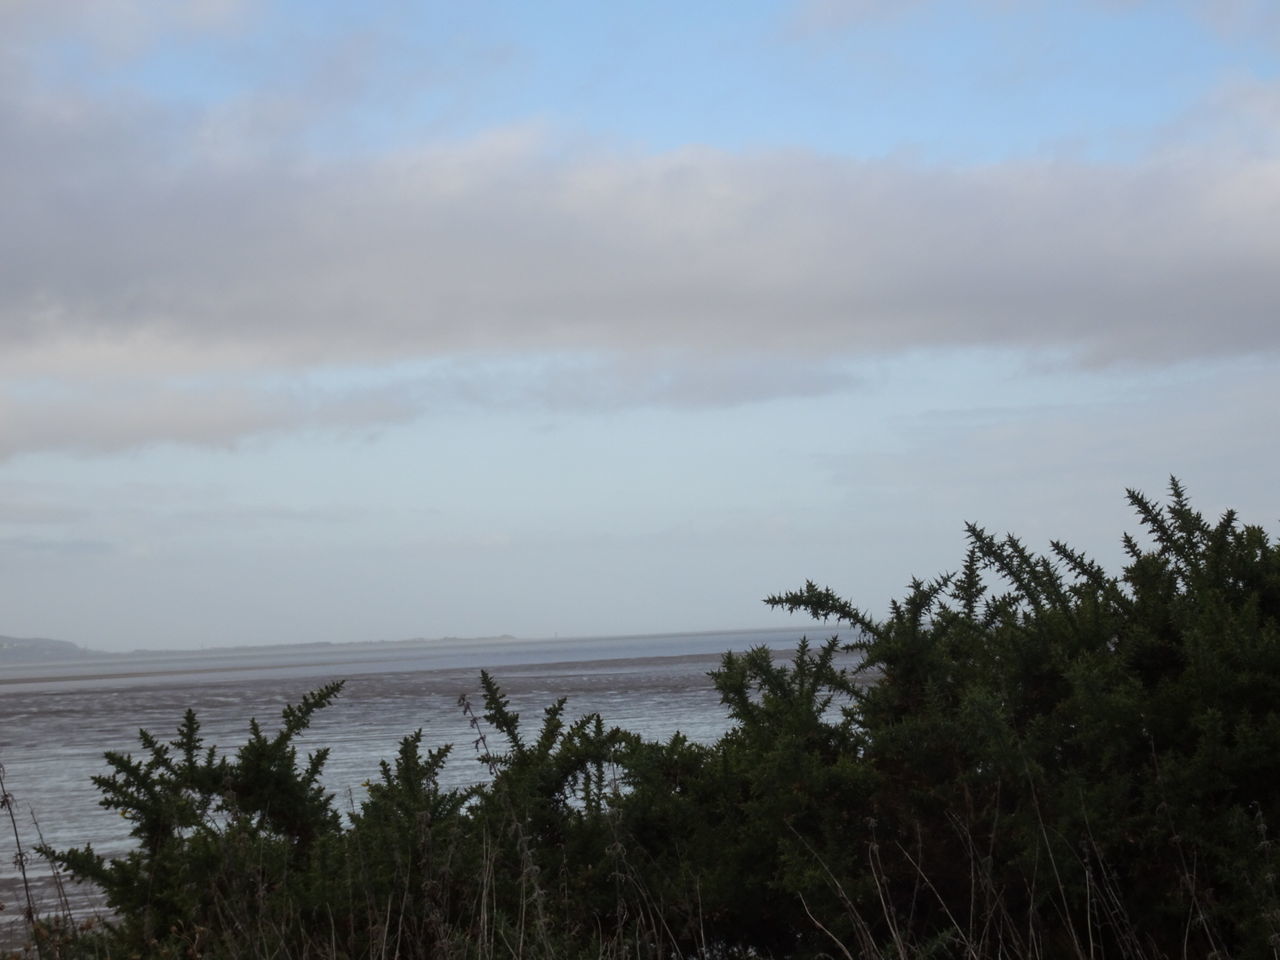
(1026, 757)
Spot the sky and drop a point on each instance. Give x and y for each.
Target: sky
(338, 322)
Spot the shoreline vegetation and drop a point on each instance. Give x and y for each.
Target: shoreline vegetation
(1028, 757)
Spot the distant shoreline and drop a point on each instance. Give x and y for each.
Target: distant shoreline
(146, 668)
(552, 666)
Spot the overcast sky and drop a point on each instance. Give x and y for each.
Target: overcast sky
(329, 321)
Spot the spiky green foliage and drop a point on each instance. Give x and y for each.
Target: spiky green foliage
(215, 833)
(1028, 757)
(1107, 748)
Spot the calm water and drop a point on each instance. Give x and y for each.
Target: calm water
(56, 721)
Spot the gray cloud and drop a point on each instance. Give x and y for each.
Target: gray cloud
(694, 381)
(496, 246)
(1242, 113)
(19, 546)
(256, 516)
(107, 416)
(114, 28)
(38, 511)
(151, 274)
(1257, 18)
(1229, 16)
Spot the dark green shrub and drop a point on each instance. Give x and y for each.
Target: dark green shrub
(1092, 758)
(218, 837)
(1028, 757)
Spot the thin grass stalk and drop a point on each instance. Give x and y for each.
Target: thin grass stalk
(20, 856)
(888, 911)
(822, 928)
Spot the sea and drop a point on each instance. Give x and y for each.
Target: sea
(58, 719)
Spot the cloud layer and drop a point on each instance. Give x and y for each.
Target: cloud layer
(162, 265)
(504, 245)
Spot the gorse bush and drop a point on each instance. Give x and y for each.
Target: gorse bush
(217, 836)
(1090, 760)
(1027, 757)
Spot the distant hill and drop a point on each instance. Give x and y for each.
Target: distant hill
(38, 650)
